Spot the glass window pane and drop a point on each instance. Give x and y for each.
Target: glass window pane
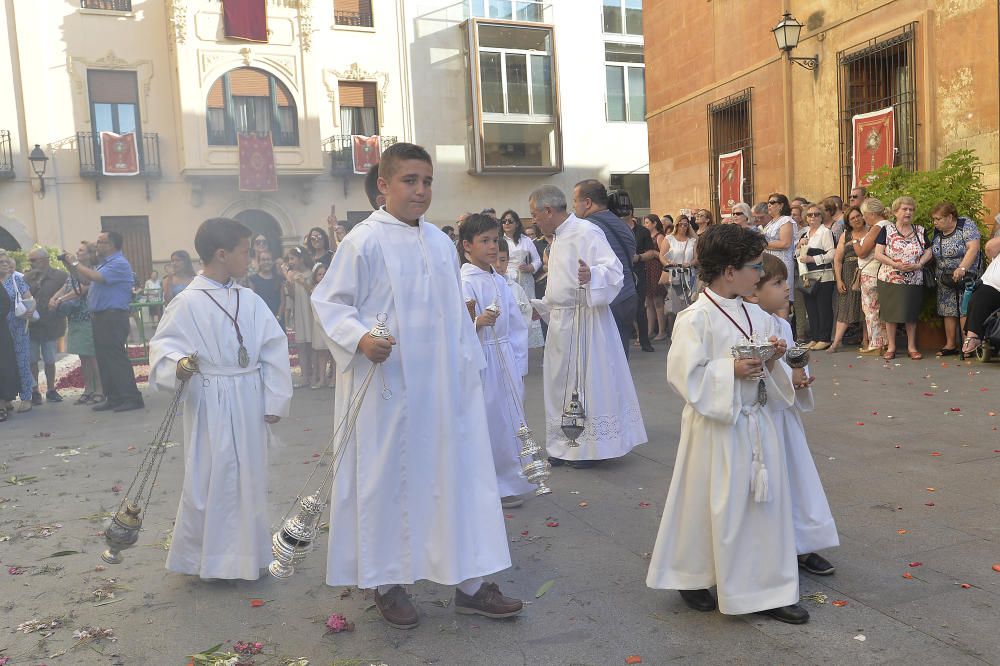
(613, 15)
(616, 92)
(619, 52)
(519, 145)
(636, 184)
(491, 82)
(529, 11)
(478, 7)
(517, 84)
(637, 94)
(541, 84)
(510, 37)
(102, 118)
(127, 117)
(633, 17)
(500, 9)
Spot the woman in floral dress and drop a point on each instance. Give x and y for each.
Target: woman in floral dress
(15, 284)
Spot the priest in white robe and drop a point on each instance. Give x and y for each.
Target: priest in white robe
(580, 253)
(416, 497)
(222, 529)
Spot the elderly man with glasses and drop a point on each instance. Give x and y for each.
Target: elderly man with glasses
(45, 281)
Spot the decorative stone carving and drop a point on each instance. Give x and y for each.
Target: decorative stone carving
(247, 55)
(77, 68)
(305, 24)
(177, 18)
(332, 78)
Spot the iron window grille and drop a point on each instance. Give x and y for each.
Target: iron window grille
(110, 5)
(876, 75)
(6, 155)
(730, 128)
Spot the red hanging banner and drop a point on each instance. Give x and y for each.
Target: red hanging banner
(257, 173)
(730, 181)
(874, 144)
(245, 19)
(119, 154)
(365, 151)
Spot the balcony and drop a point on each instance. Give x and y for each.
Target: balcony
(6, 155)
(222, 137)
(339, 147)
(354, 19)
(107, 5)
(89, 146)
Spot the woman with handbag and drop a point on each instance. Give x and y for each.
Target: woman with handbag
(904, 255)
(956, 256)
(677, 254)
(985, 301)
(874, 213)
(72, 302)
(815, 253)
(17, 323)
(845, 269)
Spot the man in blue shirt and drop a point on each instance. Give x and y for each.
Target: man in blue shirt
(590, 201)
(109, 299)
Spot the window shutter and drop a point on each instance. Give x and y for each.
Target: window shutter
(108, 86)
(358, 94)
(246, 82)
(353, 6)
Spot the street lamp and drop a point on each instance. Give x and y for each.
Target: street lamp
(39, 160)
(786, 34)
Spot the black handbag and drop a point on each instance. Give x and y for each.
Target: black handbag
(971, 274)
(930, 280)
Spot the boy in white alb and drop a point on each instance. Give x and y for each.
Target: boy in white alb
(416, 497)
(813, 521)
(244, 384)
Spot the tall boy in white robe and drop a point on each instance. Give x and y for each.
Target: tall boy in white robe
(504, 338)
(222, 528)
(811, 516)
(583, 266)
(416, 497)
(727, 520)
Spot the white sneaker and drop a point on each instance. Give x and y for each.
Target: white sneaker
(511, 502)
(23, 406)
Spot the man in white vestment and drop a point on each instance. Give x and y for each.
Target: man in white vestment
(222, 528)
(416, 497)
(584, 269)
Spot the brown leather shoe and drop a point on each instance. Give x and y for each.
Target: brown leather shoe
(396, 608)
(488, 601)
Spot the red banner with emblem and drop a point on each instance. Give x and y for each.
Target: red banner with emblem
(119, 154)
(366, 152)
(257, 173)
(874, 144)
(245, 19)
(730, 181)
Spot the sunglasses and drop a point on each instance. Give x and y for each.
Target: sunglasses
(759, 266)
(773, 203)
(738, 214)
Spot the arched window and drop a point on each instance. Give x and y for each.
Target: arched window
(250, 100)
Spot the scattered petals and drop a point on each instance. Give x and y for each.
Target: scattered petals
(839, 603)
(955, 409)
(930, 490)
(996, 567)
(524, 533)
(916, 564)
(928, 503)
(901, 531)
(633, 659)
(936, 453)
(584, 505)
(338, 623)
(898, 446)
(508, 516)
(928, 395)
(257, 603)
(117, 488)
(552, 523)
(908, 576)
(874, 413)
(546, 586)
(965, 586)
(860, 423)
(643, 505)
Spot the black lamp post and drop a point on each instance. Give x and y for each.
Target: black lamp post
(786, 34)
(39, 160)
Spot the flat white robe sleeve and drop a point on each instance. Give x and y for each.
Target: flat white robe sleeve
(275, 371)
(335, 300)
(170, 344)
(707, 384)
(517, 327)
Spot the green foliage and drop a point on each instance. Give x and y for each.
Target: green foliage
(20, 258)
(959, 179)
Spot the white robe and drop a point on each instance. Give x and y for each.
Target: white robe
(416, 497)
(222, 528)
(614, 422)
(811, 516)
(713, 531)
(504, 391)
(525, 252)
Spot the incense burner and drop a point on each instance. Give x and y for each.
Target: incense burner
(122, 533)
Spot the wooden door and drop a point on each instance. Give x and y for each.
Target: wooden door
(136, 246)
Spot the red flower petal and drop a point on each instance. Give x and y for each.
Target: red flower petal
(965, 586)
(928, 395)
(928, 503)
(633, 659)
(955, 409)
(916, 564)
(860, 423)
(643, 505)
(524, 533)
(256, 603)
(839, 603)
(552, 523)
(936, 453)
(996, 567)
(908, 576)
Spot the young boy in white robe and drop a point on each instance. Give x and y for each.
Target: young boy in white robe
(244, 385)
(811, 516)
(520, 297)
(504, 337)
(416, 497)
(727, 520)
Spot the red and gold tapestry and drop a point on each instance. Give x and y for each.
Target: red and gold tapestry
(257, 173)
(874, 144)
(245, 19)
(365, 151)
(119, 154)
(730, 181)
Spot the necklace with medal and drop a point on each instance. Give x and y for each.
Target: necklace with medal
(244, 356)
(761, 388)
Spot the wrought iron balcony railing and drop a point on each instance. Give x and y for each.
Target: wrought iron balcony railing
(355, 19)
(340, 149)
(111, 5)
(6, 155)
(91, 160)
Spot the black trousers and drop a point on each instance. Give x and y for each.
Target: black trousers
(984, 302)
(624, 314)
(110, 335)
(641, 319)
(819, 306)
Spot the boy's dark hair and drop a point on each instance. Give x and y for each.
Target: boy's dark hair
(474, 224)
(725, 245)
(400, 152)
(219, 233)
(620, 203)
(773, 268)
(115, 238)
(595, 191)
(503, 246)
(371, 185)
(448, 229)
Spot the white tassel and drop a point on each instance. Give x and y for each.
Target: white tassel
(760, 483)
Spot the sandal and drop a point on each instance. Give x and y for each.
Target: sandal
(96, 399)
(970, 345)
(916, 356)
(888, 356)
(84, 399)
(947, 351)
